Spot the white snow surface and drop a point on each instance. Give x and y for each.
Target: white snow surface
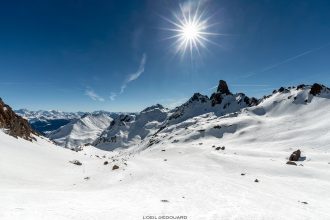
(182, 173)
(81, 131)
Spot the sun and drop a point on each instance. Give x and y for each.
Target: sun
(190, 32)
(190, 29)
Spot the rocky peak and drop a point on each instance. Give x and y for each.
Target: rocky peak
(199, 97)
(13, 124)
(217, 97)
(316, 89)
(223, 88)
(153, 107)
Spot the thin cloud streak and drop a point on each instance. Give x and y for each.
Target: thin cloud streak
(93, 95)
(250, 85)
(113, 96)
(286, 61)
(131, 77)
(136, 75)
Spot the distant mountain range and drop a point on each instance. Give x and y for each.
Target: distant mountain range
(108, 130)
(45, 121)
(227, 144)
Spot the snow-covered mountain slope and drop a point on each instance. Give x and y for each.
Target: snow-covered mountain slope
(219, 103)
(47, 121)
(133, 129)
(81, 131)
(129, 129)
(184, 173)
(295, 112)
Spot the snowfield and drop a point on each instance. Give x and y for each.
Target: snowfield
(180, 171)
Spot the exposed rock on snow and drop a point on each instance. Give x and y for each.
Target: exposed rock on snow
(13, 124)
(295, 155)
(316, 89)
(221, 102)
(76, 162)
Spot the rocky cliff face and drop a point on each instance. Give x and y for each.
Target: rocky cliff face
(13, 124)
(223, 91)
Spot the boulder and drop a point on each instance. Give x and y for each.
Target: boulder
(295, 156)
(115, 167)
(76, 162)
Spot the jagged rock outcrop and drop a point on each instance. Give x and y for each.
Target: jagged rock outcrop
(316, 89)
(151, 108)
(222, 90)
(13, 124)
(221, 102)
(197, 102)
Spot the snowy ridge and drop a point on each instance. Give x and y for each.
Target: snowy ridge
(40, 115)
(81, 131)
(128, 130)
(46, 122)
(131, 130)
(290, 107)
(199, 104)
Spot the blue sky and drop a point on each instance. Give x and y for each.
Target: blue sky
(112, 55)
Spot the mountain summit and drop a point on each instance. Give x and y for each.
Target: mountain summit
(223, 88)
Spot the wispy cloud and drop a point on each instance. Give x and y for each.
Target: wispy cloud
(93, 95)
(136, 75)
(131, 77)
(265, 69)
(113, 96)
(250, 85)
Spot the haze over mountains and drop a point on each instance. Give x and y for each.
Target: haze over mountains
(229, 151)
